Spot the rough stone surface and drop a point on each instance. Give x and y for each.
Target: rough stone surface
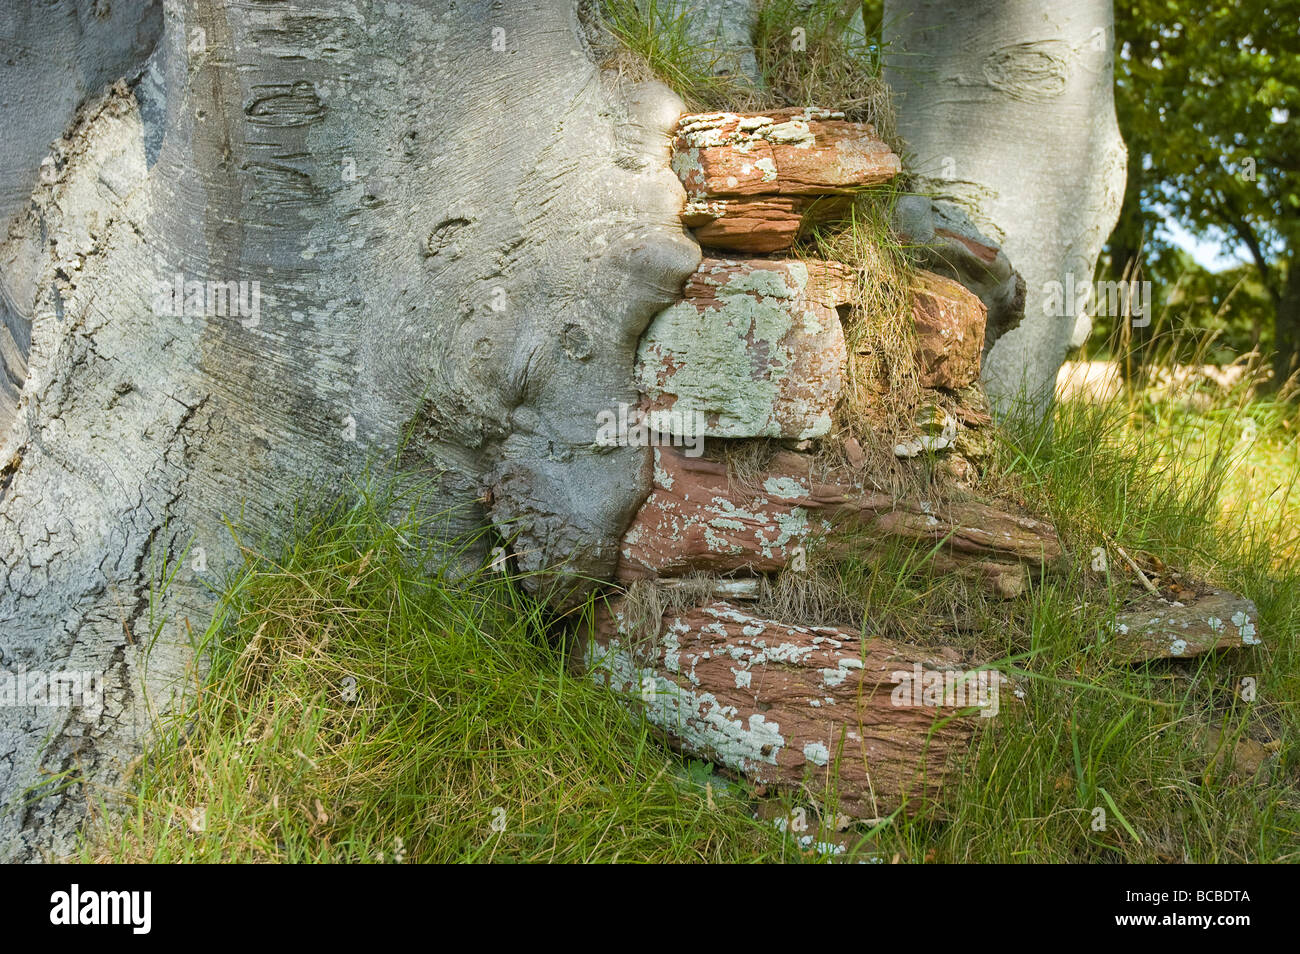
(757, 224)
(1159, 628)
(696, 519)
(755, 347)
(790, 705)
(947, 242)
(949, 330)
(751, 178)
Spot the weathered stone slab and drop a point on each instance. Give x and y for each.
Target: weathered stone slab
(950, 331)
(784, 152)
(1159, 628)
(949, 243)
(798, 706)
(695, 519)
(751, 180)
(756, 224)
(755, 347)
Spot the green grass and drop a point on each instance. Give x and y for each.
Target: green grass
(1095, 732)
(653, 38)
(811, 54)
(360, 705)
(360, 702)
(806, 55)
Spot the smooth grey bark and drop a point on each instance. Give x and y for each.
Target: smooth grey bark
(1007, 108)
(460, 228)
(725, 29)
(56, 53)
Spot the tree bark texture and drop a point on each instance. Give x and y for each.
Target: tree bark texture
(458, 227)
(1007, 107)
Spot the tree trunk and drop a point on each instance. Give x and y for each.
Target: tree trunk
(1286, 325)
(452, 229)
(1007, 108)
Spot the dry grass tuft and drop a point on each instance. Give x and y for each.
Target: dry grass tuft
(832, 62)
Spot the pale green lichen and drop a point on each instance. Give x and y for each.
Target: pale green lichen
(705, 208)
(820, 112)
(820, 427)
(788, 526)
(833, 677)
(720, 544)
(817, 753)
(706, 359)
(785, 281)
(662, 477)
(686, 163)
(725, 523)
(704, 725)
(787, 488)
(733, 362)
(672, 645)
(786, 652)
(793, 132)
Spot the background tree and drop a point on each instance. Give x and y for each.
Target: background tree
(1206, 94)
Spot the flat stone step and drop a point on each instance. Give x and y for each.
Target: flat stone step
(795, 706)
(697, 519)
(751, 179)
(1160, 628)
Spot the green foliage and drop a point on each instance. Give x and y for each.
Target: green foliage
(1199, 315)
(1205, 91)
(1206, 96)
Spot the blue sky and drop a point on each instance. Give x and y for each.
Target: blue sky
(1214, 256)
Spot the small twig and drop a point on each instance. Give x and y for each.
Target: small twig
(1136, 569)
